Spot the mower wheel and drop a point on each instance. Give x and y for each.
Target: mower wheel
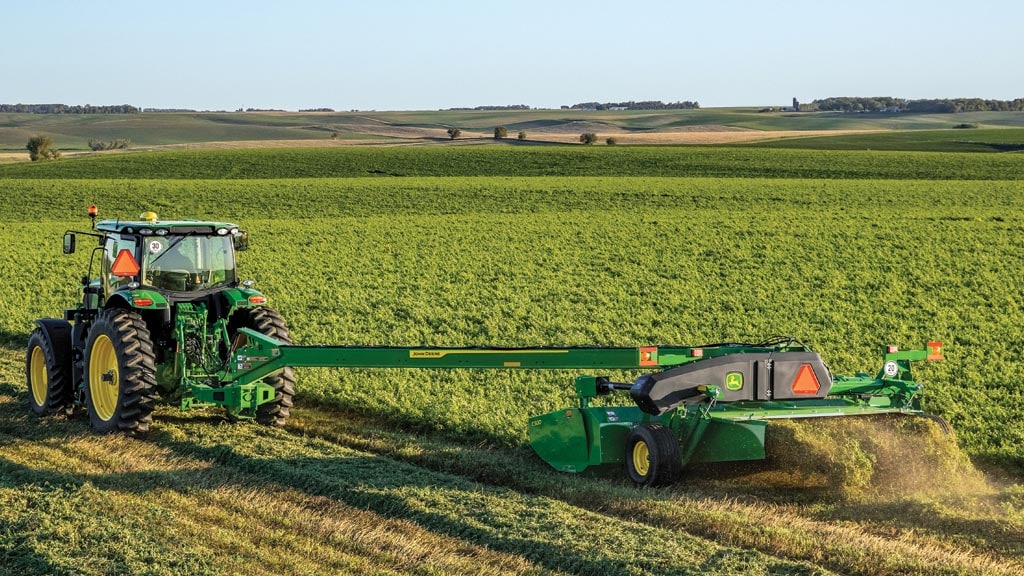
(652, 455)
(48, 371)
(268, 322)
(120, 373)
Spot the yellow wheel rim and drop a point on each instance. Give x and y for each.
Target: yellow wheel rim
(38, 379)
(103, 377)
(641, 458)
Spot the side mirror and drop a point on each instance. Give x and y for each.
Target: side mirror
(241, 241)
(69, 243)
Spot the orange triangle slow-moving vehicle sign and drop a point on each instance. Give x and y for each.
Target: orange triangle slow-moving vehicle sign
(806, 382)
(125, 264)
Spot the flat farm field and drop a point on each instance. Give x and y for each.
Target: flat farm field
(428, 472)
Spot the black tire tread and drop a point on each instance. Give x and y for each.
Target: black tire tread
(59, 392)
(665, 456)
(137, 363)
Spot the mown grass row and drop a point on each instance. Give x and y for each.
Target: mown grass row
(917, 508)
(526, 161)
(198, 498)
(344, 494)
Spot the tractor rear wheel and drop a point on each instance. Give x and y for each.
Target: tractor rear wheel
(48, 371)
(120, 373)
(652, 455)
(268, 322)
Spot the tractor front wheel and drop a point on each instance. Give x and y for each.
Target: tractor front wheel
(268, 322)
(120, 373)
(48, 371)
(652, 455)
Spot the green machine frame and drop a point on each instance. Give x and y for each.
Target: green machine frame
(707, 426)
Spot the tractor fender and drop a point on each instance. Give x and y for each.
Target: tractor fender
(141, 301)
(243, 298)
(57, 333)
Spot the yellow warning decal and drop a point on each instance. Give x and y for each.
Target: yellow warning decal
(442, 353)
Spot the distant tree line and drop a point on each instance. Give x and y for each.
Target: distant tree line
(934, 106)
(65, 109)
(318, 110)
(168, 110)
(633, 105)
(507, 107)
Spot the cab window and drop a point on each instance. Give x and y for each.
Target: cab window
(115, 244)
(188, 263)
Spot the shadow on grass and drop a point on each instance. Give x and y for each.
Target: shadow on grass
(441, 503)
(13, 340)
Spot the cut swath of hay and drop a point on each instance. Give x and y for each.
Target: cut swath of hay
(856, 456)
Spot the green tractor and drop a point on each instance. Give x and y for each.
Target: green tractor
(158, 321)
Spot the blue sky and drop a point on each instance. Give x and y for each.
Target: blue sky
(405, 55)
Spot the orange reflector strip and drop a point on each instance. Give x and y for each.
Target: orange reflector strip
(649, 356)
(257, 299)
(805, 382)
(696, 352)
(124, 265)
(143, 301)
(934, 351)
(892, 349)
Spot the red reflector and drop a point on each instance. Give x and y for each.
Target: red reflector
(934, 351)
(124, 265)
(649, 356)
(892, 349)
(696, 352)
(805, 382)
(143, 301)
(257, 299)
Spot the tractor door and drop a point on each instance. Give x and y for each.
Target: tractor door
(120, 264)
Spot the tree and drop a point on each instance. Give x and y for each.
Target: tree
(522, 134)
(611, 140)
(454, 133)
(118, 144)
(41, 148)
(588, 137)
(500, 132)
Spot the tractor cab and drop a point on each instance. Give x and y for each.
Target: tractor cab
(180, 259)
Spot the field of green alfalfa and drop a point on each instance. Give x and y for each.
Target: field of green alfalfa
(951, 140)
(438, 457)
(459, 161)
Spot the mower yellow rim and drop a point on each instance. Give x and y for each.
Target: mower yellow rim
(103, 391)
(38, 378)
(641, 458)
